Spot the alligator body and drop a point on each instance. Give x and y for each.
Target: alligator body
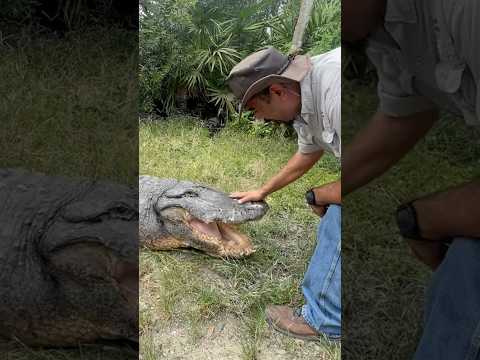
(68, 260)
(181, 214)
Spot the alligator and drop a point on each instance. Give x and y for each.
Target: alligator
(181, 214)
(68, 260)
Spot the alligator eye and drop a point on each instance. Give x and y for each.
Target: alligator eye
(189, 194)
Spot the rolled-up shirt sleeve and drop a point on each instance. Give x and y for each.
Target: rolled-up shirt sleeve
(306, 142)
(395, 84)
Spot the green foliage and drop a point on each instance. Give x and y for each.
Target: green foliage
(187, 47)
(259, 128)
(223, 99)
(356, 65)
(34, 17)
(323, 31)
(18, 10)
(184, 48)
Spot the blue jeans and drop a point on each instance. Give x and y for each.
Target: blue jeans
(452, 309)
(322, 282)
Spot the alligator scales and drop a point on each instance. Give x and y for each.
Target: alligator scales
(181, 214)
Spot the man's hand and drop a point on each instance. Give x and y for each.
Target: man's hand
(254, 195)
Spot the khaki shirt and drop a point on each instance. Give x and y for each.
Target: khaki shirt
(318, 126)
(427, 56)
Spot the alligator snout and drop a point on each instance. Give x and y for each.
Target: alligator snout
(191, 215)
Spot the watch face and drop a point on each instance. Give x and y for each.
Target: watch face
(310, 197)
(407, 221)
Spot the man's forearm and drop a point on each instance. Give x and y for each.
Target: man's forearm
(380, 145)
(455, 212)
(330, 193)
(298, 165)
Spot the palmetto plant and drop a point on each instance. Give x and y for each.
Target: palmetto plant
(202, 58)
(223, 100)
(324, 27)
(63, 14)
(214, 57)
(322, 32)
(189, 46)
(215, 52)
(72, 11)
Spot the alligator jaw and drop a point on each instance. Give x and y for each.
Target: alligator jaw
(224, 239)
(216, 238)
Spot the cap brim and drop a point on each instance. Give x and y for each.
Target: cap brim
(296, 71)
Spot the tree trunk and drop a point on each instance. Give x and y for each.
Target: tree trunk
(303, 17)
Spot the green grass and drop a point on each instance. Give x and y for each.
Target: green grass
(18, 351)
(383, 285)
(192, 290)
(68, 107)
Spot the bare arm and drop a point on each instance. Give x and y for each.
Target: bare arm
(446, 215)
(298, 165)
(330, 193)
(455, 212)
(380, 145)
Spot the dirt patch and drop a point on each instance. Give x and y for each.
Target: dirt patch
(221, 339)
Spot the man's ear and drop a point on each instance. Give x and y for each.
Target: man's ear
(277, 89)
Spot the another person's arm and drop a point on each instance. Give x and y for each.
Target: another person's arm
(298, 165)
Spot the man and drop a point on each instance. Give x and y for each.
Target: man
(427, 57)
(306, 92)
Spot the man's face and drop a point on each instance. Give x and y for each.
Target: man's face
(284, 105)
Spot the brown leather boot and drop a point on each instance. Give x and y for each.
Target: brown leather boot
(290, 322)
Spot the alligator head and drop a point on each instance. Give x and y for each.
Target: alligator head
(182, 214)
(68, 260)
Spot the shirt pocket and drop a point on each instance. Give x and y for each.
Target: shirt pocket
(453, 76)
(328, 132)
(394, 76)
(305, 137)
(448, 75)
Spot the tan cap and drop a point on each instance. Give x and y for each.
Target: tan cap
(263, 68)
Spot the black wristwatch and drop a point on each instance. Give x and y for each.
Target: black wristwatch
(407, 221)
(310, 197)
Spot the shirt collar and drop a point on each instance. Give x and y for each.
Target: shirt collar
(307, 97)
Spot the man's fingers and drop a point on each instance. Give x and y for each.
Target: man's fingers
(243, 197)
(239, 196)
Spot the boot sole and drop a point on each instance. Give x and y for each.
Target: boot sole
(303, 337)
